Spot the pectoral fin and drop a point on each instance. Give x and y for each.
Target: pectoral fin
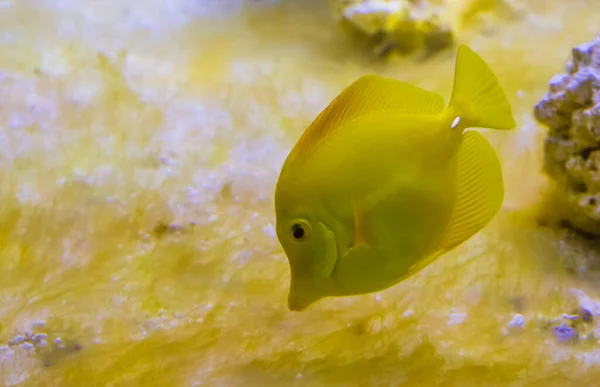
(362, 236)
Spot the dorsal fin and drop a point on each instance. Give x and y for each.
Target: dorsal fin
(479, 197)
(368, 94)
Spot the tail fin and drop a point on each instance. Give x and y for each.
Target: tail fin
(477, 98)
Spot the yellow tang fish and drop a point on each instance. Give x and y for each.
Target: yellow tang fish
(386, 179)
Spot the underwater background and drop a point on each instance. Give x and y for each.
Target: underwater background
(140, 144)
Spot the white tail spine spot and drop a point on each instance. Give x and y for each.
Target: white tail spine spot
(455, 122)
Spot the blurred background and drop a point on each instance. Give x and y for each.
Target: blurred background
(140, 144)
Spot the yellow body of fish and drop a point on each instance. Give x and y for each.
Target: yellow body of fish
(386, 179)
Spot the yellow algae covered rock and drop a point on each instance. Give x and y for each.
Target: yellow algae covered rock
(398, 24)
(409, 25)
(571, 112)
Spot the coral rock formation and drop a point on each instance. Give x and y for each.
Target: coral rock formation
(571, 111)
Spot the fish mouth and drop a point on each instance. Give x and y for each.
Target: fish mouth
(296, 305)
(303, 293)
(298, 302)
(307, 287)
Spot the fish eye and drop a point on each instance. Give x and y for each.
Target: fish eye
(300, 231)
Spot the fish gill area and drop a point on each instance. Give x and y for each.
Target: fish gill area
(140, 145)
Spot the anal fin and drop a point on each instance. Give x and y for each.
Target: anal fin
(480, 195)
(480, 190)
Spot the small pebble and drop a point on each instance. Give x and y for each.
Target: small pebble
(269, 230)
(564, 332)
(586, 315)
(18, 339)
(39, 336)
(517, 321)
(457, 318)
